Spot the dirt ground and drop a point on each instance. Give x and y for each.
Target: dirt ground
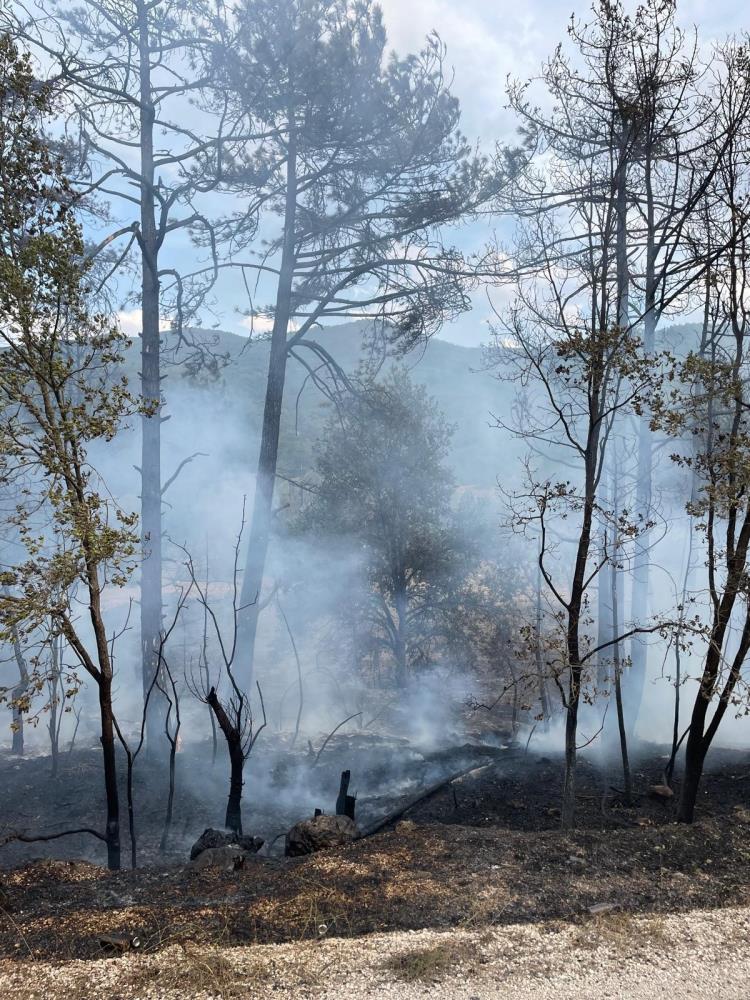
(484, 852)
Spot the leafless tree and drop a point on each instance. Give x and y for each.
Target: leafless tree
(233, 710)
(709, 407)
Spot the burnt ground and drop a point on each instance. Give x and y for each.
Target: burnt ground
(484, 850)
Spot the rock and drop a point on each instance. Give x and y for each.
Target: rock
(229, 858)
(320, 833)
(220, 838)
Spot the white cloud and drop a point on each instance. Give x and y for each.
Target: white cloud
(257, 324)
(262, 323)
(131, 323)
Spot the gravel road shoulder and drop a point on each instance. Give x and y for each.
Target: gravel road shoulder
(689, 955)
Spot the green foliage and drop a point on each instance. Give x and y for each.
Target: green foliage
(385, 495)
(59, 387)
(378, 161)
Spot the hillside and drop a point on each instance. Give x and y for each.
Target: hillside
(467, 395)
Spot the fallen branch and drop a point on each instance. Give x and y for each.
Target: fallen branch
(426, 794)
(26, 838)
(333, 733)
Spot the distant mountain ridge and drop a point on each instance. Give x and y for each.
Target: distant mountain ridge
(452, 374)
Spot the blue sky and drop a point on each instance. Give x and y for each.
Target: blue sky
(487, 41)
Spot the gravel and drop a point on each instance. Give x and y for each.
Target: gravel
(611, 955)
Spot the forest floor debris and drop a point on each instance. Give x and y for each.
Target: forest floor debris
(485, 852)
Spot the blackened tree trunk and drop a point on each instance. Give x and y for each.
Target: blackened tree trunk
(112, 828)
(233, 819)
(701, 734)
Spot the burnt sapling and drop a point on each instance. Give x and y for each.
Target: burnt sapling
(232, 707)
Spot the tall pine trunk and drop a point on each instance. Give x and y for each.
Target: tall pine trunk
(151, 505)
(640, 604)
(260, 524)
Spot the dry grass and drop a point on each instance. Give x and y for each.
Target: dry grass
(620, 932)
(195, 970)
(428, 965)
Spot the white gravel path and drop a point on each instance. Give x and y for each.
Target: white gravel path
(703, 954)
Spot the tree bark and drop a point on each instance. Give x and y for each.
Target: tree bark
(233, 818)
(642, 556)
(151, 506)
(112, 829)
(260, 525)
(626, 777)
(695, 756)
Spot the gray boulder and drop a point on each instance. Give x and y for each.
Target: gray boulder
(211, 839)
(228, 858)
(319, 834)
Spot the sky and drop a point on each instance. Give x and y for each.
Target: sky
(490, 41)
(487, 42)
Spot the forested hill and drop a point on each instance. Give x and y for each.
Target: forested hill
(230, 404)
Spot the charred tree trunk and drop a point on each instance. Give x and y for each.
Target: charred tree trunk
(233, 819)
(164, 842)
(345, 803)
(695, 755)
(577, 594)
(260, 525)
(701, 735)
(112, 829)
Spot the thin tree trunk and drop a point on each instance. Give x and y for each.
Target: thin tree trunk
(567, 812)
(56, 698)
(151, 505)
(233, 819)
(539, 659)
(640, 603)
(574, 607)
(19, 692)
(695, 755)
(112, 828)
(700, 735)
(628, 785)
(163, 843)
(400, 646)
(260, 525)
(17, 743)
(678, 662)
